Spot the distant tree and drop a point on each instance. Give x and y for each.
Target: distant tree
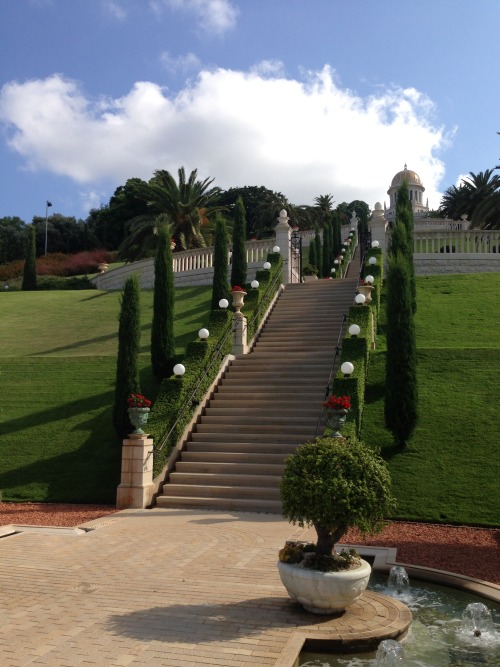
(326, 261)
(64, 234)
(487, 213)
(323, 207)
(319, 253)
(336, 234)
(362, 211)
(12, 239)
(110, 223)
(29, 274)
(186, 204)
(401, 392)
(252, 197)
(127, 369)
(472, 191)
(219, 284)
(312, 254)
(162, 328)
(239, 256)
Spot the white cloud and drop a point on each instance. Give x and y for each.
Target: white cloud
(303, 138)
(215, 15)
(115, 9)
(180, 64)
(269, 68)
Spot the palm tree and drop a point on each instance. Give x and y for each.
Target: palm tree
(185, 205)
(487, 213)
(473, 190)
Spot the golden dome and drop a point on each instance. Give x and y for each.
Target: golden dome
(410, 176)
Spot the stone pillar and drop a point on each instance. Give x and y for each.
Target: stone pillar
(136, 487)
(239, 334)
(378, 225)
(283, 233)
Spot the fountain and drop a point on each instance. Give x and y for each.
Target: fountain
(476, 620)
(398, 581)
(450, 627)
(389, 654)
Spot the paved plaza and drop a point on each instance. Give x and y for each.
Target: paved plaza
(159, 587)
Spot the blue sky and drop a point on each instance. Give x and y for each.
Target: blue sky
(307, 97)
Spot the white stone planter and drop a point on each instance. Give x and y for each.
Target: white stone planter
(324, 592)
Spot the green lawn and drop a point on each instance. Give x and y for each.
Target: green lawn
(450, 469)
(57, 372)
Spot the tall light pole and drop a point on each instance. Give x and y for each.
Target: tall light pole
(47, 205)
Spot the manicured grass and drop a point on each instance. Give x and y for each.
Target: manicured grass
(57, 369)
(450, 469)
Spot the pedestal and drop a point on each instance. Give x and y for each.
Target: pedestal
(136, 487)
(239, 334)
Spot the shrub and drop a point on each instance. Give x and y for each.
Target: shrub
(29, 273)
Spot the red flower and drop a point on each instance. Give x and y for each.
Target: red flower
(338, 403)
(138, 401)
(237, 288)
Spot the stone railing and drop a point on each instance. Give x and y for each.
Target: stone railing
(447, 251)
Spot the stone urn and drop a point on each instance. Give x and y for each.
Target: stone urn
(138, 418)
(366, 291)
(238, 299)
(324, 592)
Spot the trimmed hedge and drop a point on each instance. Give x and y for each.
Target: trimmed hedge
(175, 393)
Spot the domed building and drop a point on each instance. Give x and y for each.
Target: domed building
(416, 193)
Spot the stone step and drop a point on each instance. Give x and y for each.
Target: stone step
(208, 491)
(228, 504)
(234, 458)
(272, 434)
(235, 409)
(224, 480)
(260, 447)
(252, 423)
(229, 468)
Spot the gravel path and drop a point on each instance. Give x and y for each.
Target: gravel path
(474, 552)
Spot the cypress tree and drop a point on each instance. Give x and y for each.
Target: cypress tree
(399, 240)
(239, 258)
(219, 284)
(325, 260)
(404, 215)
(29, 274)
(319, 253)
(127, 371)
(162, 328)
(312, 254)
(401, 394)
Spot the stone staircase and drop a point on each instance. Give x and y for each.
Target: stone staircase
(268, 402)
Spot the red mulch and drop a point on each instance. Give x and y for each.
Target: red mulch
(474, 552)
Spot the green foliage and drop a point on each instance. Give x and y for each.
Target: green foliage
(318, 253)
(239, 257)
(335, 484)
(59, 283)
(162, 329)
(312, 255)
(127, 369)
(12, 239)
(326, 260)
(219, 282)
(29, 275)
(309, 270)
(401, 396)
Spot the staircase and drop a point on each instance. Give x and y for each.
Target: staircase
(267, 403)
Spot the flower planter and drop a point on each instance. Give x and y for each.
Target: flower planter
(324, 592)
(238, 299)
(138, 418)
(335, 419)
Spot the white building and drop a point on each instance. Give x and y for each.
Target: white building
(416, 193)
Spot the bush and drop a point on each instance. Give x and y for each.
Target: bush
(335, 484)
(60, 283)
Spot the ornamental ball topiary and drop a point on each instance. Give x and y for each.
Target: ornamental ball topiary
(335, 484)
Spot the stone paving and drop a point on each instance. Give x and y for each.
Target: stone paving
(159, 587)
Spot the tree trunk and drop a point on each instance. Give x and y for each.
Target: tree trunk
(327, 537)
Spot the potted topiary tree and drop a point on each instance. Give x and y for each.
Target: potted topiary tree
(332, 484)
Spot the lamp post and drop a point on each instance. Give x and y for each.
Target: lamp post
(48, 204)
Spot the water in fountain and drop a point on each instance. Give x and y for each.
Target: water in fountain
(476, 620)
(398, 583)
(436, 638)
(390, 654)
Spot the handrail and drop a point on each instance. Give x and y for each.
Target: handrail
(190, 401)
(327, 388)
(216, 352)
